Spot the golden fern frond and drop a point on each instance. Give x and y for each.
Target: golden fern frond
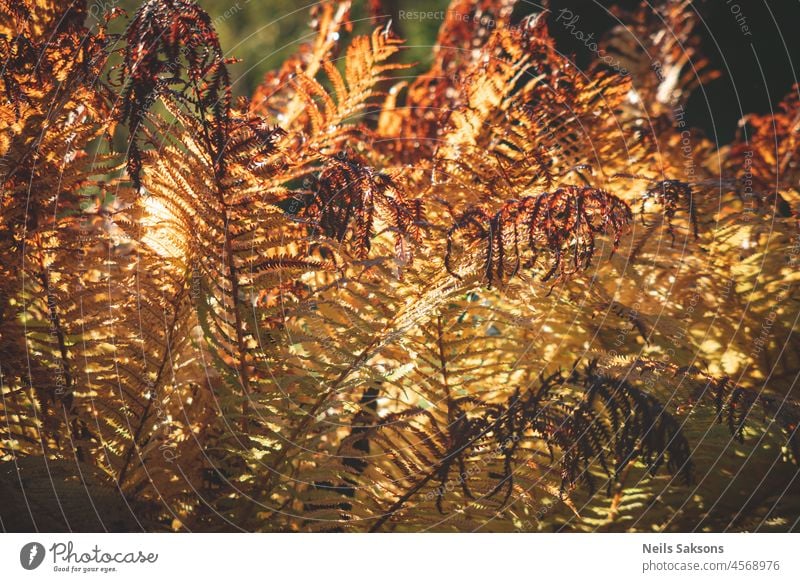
(466, 424)
(503, 295)
(276, 98)
(43, 232)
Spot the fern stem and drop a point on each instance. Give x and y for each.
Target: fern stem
(134, 445)
(397, 505)
(233, 278)
(301, 427)
(403, 500)
(443, 367)
(56, 328)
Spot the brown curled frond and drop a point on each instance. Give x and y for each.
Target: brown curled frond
(672, 195)
(739, 408)
(764, 156)
(563, 224)
(172, 51)
(350, 197)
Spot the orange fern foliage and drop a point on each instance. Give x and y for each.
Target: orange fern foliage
(495, 296)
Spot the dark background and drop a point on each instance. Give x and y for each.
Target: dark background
(757, 71)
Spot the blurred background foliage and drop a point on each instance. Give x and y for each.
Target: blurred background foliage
(263, 33)
(757, 69)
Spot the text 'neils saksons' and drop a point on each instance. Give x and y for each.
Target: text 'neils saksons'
(664, 548)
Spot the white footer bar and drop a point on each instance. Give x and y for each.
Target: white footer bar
(400, 557)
